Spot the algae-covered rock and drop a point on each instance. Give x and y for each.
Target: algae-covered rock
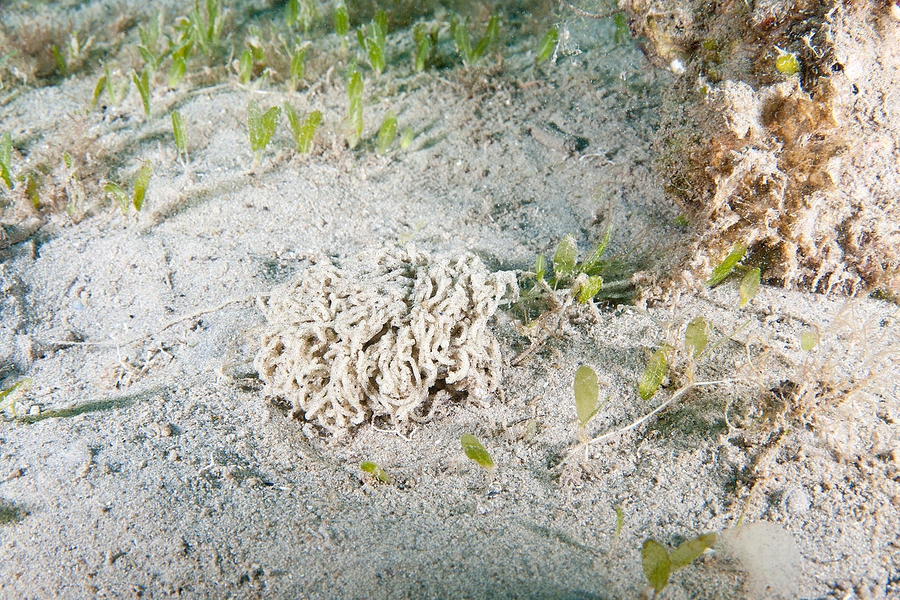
(783, 133)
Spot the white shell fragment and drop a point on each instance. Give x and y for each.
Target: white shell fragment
(383, 336)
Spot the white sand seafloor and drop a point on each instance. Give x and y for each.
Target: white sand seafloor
(153, 465)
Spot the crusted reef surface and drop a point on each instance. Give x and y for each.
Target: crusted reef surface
(783, 134)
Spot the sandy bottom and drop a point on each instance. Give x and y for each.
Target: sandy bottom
(150, 464)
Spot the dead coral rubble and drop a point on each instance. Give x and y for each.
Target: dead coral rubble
(386, 335)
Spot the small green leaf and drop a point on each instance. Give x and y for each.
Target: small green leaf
(461, 37)
(749, 286)
(386, 134)
(688, 551)
(6, 159)
(149, 59)
(13, 394)
(547, 45)
(355, 111)
(423, 51)
(620, 521)
(109, 85)
(380, 25)
(308, 132)
(376, 55)
(809, 338)
(98, 89)
(622, 34)
(355, 86)
(176, 71)
(142, 82)
(184, 49)
(32, 189)
(178, 131)
(118, 194)
(341, 20)
(407, 137)
(212, 16)
(60, 60)
(8, 391)
(696, 336)
(291, 12)
(245, 66)
(261, 125)
(540, 267)
(590, 288)
(375, 471)
(490, 35)
(587, 392)
(656, 563)
(298, 61)
(787, 63)
(724, 268)
(654, 373)
(475, 451)
(140, 185)
(592, 264)
(564, 259)
(373, 43)
(356, 124)
(294, 122)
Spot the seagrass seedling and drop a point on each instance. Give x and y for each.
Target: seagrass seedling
(251, 60)
(204, 28)
(6, 159)
(60, 61)
(547, 45)
(115, 91)
(341, 21)
(426, 42)
(659, 563)
(724, 268)
(139, 190)
(11, 395)
(696, 336)
(261, 128)
(72, 184)
(476, 452)
(355, 108)
(375, 471)
(303, 130)
(386, 133)
(407, 137)
(587, 394)
(302, 12)
(622, 33)
(178, 68)
(298, 66)
(460, 33)
(584, 277)
(70, 55)
(372, 40)
(142, 83)
(654, 372)
(178, 133)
